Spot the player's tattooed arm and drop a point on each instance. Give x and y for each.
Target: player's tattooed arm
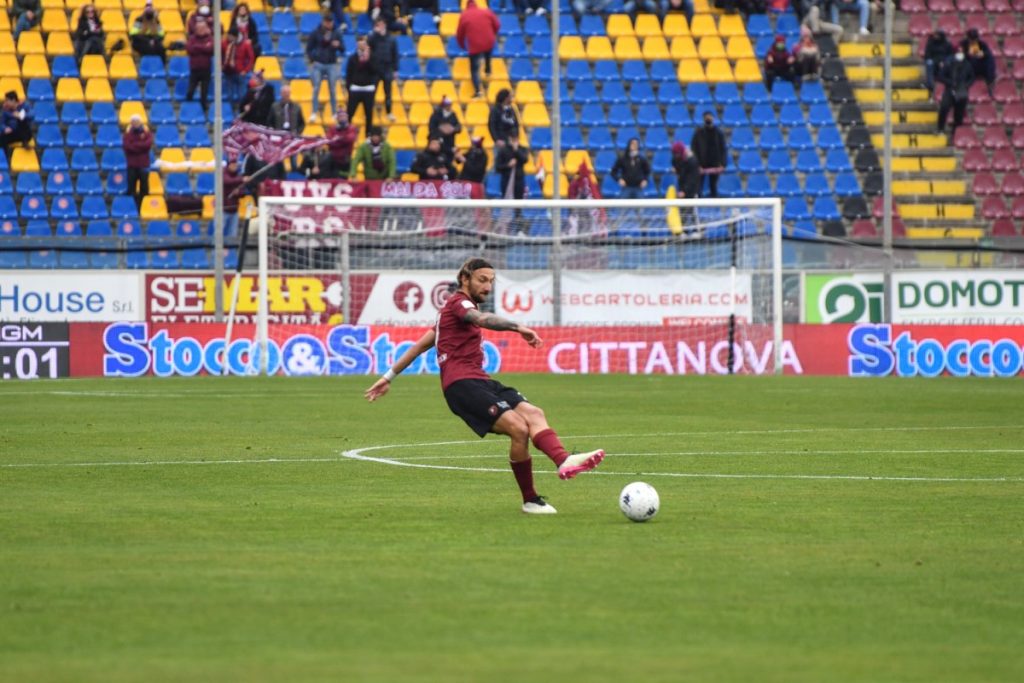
(489, 321)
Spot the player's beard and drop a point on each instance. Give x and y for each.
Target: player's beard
(476, 295)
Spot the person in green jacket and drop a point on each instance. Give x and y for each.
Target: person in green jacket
(376, 156)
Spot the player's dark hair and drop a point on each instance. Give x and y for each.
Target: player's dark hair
(472, 265)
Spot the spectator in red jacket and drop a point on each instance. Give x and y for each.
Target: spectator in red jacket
(341, 139)
(779, 62)
(200, 56)
(238, 59)
(137, 142)
(477, 34)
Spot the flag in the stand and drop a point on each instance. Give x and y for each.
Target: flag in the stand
(267, 144)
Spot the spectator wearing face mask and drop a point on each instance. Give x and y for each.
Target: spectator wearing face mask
(708, 145)
(779, 62)
(137, 142)
(16, 123)
(687, 171)
(255, 105)
(445, 124)
(808, 56)
(510, 162)
(377, 158)
(503, 122)
(632, 171)
(147, 34)
(361, 79)
(957, 77)
(341, 139)
(238, 60)
(241, 19)
(201, 15)
(937, 52)
(432, 163)
(199, 47)
(979, 55)
(474, 166)
(89, 37)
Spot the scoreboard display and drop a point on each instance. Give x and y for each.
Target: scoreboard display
(34, 350)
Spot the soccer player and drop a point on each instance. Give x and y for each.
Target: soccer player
(483, 403)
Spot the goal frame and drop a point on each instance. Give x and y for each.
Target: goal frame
(266, 204)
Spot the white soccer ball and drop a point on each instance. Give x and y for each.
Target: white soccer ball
(639, 501)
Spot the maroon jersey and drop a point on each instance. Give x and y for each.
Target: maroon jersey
(459, 354)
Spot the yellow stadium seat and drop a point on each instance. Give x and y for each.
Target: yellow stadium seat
(113, 20)
(730, 25)
(170, 19)
(449, 24)
(156, 184)
(302, 90)
(129, 109)
(571, 47)
(675, 25)
(421, 138)
(536, 115)
(6, 42)
(691, 71)
(5, 22)
(739, 47)
(398, 111)
(52, 4)
(477, 113)
(98, 90)
(493, 88)
(462, 140)
(460, 69)
(575, 157)
(59, 43)
(710, 47)
(8, 83)
(648, 25)
(484, 133)
(528, 92)
(748, 71)
(415, 91)
(499, 69)
(93, 66)
(171, 157)
(619, 25)
(655, 47)
(703, 25)
(354, 6)
(270, 67)
(719, 71)
(431, 47)
(314, 6)
(401, 137)
(201, 159)
(104, 5)
(153, 208)
(627, 47)
(420, 113)
(69, 90)
(163, 5)
(23, 159)
(599, 47)
(441, 89)
(123, 66)
(35, 66)
(683, 47)
(208, 207)
(31, 43)
(54, 20)
(396, 94)
(539, 157)
(9, 66)
(115, 39)
(549, 186)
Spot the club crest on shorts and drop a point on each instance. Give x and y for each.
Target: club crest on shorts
(493, 410)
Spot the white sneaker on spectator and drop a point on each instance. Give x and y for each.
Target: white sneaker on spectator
(541, 11)
(864, 31)
(437, 18)
(312, 118)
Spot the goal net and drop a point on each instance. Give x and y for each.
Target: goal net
(612, 286)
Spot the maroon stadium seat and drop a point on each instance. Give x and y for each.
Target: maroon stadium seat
(1017, 138)
(985, 184)
(1017, 210)
(1013, 114)
(876, 208)
(1013, 184)
(979, 92)
(976, 160)
(950, 23)
(1004, 227)
(998, 6)
(980, 22)
(1004, 160)
(994, 207)
(1006, 26)
(966, 138)
(1013, 46)
(970, 5)
(920, 25)
(914, 6)
(941, 6)
(899, 228)
(994, 137)
(985, 114)
(863, 228)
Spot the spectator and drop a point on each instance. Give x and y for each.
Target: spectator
(444, 124)
(199, 47)
(432, 6)
(583, 186)
(325, 48)
(201, 15)
(341, 138)
(684, 6)
(708, 145)
(979, 56)
(432, 163)
(137, 142)
(147, 35)
(510, 162)
(377, 158)
(317, 163)
(336, 8)
(241, 19)
(635, 7)
(779, 62)
(16, 121)
(234, 184)
(361, 78)
(581, 7)
(477, 34)
(631, 171)
(687, 171)
(937, 52)
(807, 54)
(255, 106)
(812, 20)
(862, 7)
(957, 77)
(503, 122)
(25, 15)
(388, 10)
(384, 54)
(238, 60)
(287, 116)
(282, 5)
(528, 7)
(89, 37)
(474, 167)
(744, 7)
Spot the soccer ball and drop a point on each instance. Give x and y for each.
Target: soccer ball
(639, 501)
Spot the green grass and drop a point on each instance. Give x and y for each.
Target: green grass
(330, 569)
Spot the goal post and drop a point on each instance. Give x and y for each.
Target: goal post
(697, 282)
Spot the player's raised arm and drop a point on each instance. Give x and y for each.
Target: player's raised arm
(381, 386)
(490, 321)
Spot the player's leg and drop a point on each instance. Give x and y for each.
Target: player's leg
(546, 440)
(516, 428)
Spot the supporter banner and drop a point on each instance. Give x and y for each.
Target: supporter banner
(388, 189)
(956, 297)
(75, 296)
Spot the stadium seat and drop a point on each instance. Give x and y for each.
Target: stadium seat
(33, 207)
(113, 160)
(29, 183)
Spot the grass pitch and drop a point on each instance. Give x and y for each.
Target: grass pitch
(215, 530)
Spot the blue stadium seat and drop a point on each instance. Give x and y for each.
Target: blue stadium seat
(830, 138)
(283, 23)
(592, 25)
(540, 138)
(64, 66)
(290, 46)
(750, 162)
(72, 113)
(127, 89)
(29, 183)
(795, 209)
(727, 93)
(49, 135)
(586, 93)
(541, 47)
(533, 26)
(129, 228)
(295, 67)
(758, 25)
(98, 228)
(661, 162)
(124, 207)
(195, 258)
(53, 159)
(436, 69)
(592, 115)
(663, 71)
(729, 185)
(423, 24)
(609, 188)
(521, 70)
(44, 259)
(783, 92)
(670, 94)
(188, 228)
(624, 134)
(787, 185)
(787, 24)
(847, 184)
(800, 138)
(84, 160)
(812, 92)
(6, 187)
(820, 115)
(197, 136)
(755, 93)
(621, 115)
(59, 182)
(514, 47)
(816, 185)
(46, 112)
(838, 161)
(807, 161)
(308, 22)
(8, 209)
(32, 207)
(137, 259)
(763, 115)
(492, 186)
(759, 185)
(791, 115)
(63, 207)
(549, 92)
(604, 160)
(162, 114)
(779, 161)
(88, 184)
(607, 70)
(406, 46)
(641, 93)
(569, 116)
(108, 135)
(600, 138)
(13, 259)
(177, 66)
(158, 229)
(543, 71)
(117, 182)
(177, 184)
(39, 90)
(634, 70)
(772, 138)
(657, 138)
(192, 114)
(805, 230)
(825, 209)
(205, 184)
(79, 135)
(94, 207)
(743, 139)
(575, 70)
(156, 90)
(649, 115)
(699, 94)
(735, 115)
